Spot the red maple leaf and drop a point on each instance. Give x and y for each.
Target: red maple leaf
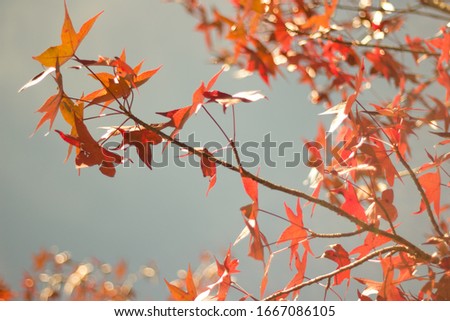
(431, 183)
(300, 265)
(225, 270)
(317, 22)
(339, 255)
(295, 233)
(387, 290)
(351, 204)
(141, 138)
(52, 104)
(250, 214)
(383, 207)
(178, 117)
(208, 167)
(89, 152)
(115, 87)
(371, 242)
(261, 60)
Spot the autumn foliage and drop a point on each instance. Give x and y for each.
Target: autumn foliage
(339, 50)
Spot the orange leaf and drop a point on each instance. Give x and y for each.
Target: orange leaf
(208, 169)
(387, 290)
(180, 295)
(225, 270)
(113, 89)
(251, 188)
(296, 233)
(123, 70)
(52, 104)
(339, 255)
(381, 160)
(352, 205)
(70, 40)
(257, 239)
(121, 269)
(371, 242)
(144, 76)
(321, 21)
(5, 291)
(70, 111)
(342, 110)
(300, 265)
(50, 109)
(178, 117)
(431, 183)
(250, 213)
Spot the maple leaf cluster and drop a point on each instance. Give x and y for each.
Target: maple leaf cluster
(340, 59)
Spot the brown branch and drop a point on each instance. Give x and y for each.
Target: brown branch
(336, 235)
(400, 48)
(413, 249)
(326, 36)
(437, 4)
(394, 248)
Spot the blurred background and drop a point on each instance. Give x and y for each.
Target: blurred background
(144, 217)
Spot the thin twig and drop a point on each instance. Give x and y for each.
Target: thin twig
(99, 105)
(237, 287)
(314, 234)
(216, 123)
(393, 249)
(412, 10)
(102, 115)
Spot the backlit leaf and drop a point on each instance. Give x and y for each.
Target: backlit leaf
(339, 255)
(181, 295)
(295, 233)
(89, 152)
(70, 40)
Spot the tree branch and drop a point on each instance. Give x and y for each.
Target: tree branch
(421, 191)
(394, 248)
(412, 249)
(409, 10)
(437, 4)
